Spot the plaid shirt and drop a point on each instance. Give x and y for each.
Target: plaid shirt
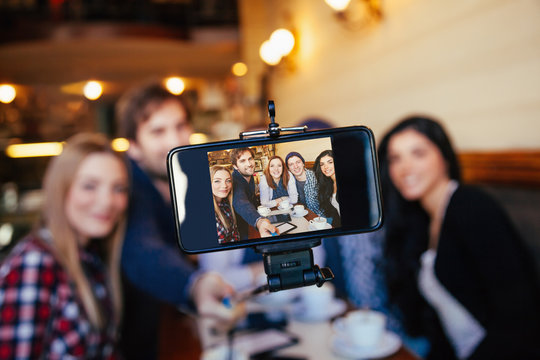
(225, 235)
(41, 313)
(311, 189)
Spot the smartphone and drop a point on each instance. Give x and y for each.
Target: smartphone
(279, 218)
(285, 227)
(198, 201)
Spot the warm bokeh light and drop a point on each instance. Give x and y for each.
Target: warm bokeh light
(269, 54)
(34, 149)
(198, 138)
(120, 144)
(239, 69)
(175, 85)
(93, 90)
(7, 93)
(283, 41)
(338, 5)
(6, 234)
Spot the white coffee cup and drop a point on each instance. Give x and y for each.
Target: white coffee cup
(263, 210)
(284, 204)
(364, 328)
(315, 301)
(298, 209)
(319, 222)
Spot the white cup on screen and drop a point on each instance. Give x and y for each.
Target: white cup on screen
(284, 204)
(318, 223)
(263, 210)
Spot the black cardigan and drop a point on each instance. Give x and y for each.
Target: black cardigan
(483, 263)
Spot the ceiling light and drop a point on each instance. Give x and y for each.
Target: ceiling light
(269, 54)
(34, 149)
(175, 85)
(239, 69)
(198, 138)
(92, 90)
(283, 41)
(338, 5)
(7, 93)
(120, 144)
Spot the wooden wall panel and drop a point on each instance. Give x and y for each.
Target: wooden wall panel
(513, 168)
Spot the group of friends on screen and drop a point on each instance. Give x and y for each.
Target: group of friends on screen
(282, 181)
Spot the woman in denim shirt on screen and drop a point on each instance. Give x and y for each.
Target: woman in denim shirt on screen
(277, 184)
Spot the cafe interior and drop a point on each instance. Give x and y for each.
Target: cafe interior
(474, 65)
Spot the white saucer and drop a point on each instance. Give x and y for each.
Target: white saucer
(313, 228)
(304, 213)
(285, 208)
(389, 344)
(336, 308)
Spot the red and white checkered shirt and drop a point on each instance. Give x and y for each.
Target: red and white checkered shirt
(224, 235)
(41, 314)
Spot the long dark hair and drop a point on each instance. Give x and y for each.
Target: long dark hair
(326, 188)
(407, 224)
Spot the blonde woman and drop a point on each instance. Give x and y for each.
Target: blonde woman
(222, 187)
(60, 286)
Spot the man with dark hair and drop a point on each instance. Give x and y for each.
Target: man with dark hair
(245, 200)
(154, 270)
(306, 183)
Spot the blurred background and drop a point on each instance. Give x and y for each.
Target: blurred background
(63, 64)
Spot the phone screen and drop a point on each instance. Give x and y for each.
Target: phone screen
(285, 227)
(328, 186)
(279, 218)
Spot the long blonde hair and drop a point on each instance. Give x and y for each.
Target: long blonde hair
(213, 170)
(56, 184)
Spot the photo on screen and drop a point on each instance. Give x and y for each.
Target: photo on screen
(260, 190)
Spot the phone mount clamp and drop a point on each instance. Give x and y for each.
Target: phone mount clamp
(273, 130)
(289, 265)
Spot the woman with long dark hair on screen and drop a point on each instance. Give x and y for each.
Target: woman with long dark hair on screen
(277, 184)
(222, 191)
(456, 267)
(60, 294)
(325, 173)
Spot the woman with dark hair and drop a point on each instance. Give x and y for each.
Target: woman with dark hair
(456, 267)
(326, 181)
(60, 290)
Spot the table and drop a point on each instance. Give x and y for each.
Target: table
(314, 338)
(315, 343)
(301, 223)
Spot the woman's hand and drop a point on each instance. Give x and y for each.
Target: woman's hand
(208, 294)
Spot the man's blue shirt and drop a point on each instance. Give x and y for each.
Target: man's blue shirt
(245, 203)
(151, 259)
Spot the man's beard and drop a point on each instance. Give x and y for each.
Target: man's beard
(247, 175)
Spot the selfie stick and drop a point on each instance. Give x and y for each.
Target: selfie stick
(289, 265)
